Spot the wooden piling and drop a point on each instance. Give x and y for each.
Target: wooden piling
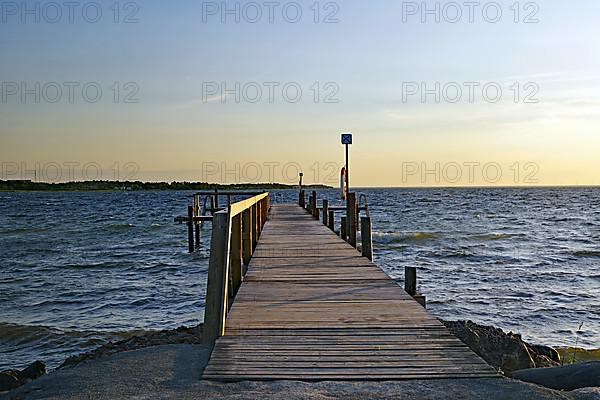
(343, 227)
(366, 237)
(190, 223)
(197, 212)
(247, 236)
(325, 210)
(253, 227)
(410, 280)
(218, 277)
(331, 220)
(351, 218)
(236, 253)
(313, 203)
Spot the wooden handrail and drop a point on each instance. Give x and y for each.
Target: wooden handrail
(235, 232)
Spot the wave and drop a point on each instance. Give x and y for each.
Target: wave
(119, 227)
(23, 230)
(586, 253)
(494, 236)
(394, 237)
(24, 334)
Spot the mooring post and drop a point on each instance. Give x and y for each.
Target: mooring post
(190, 223)
(410, 280)
(215, 311)
(325, 211)
(351, 218)
(236, 253)
(366, 237)
(331, 220)
(343, 226)
(317, 214)
(410, 285)
(314, 203)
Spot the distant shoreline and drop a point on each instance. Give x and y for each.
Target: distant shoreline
(134, 186)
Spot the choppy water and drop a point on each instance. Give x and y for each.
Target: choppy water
(80, 269)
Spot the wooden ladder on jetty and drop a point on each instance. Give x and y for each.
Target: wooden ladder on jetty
(312, 308)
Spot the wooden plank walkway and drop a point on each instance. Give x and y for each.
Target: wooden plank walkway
(311, 308)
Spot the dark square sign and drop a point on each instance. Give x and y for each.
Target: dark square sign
(346, 138)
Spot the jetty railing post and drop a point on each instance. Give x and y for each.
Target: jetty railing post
(259, 216)
(325, 211)
(343, 226)
(351, 218)
(247, 235)
(218, 280)
(366, 237)
(331, 220)
(313, 203)
(236, 253)
(253, 226)
(190, 224)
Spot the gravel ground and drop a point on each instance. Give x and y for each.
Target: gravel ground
(173, 372)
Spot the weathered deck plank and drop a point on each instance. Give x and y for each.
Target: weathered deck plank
(312, 308)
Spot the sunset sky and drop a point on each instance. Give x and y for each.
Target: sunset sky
(367, 61)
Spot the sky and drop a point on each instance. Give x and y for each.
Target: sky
(259, 91)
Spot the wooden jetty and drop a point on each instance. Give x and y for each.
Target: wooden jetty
(311, 307)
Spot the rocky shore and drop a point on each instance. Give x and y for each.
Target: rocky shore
(507, 352)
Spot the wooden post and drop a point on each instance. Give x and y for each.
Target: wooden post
(218, 278)
(325, 211)
(366, 237)
(313, 203)
(258, 218)
(343, 226)
(197, 227)
(331, 220)
(351, 218)
(410, 280)
(247, 235)
(190, 229)
(254, 230)
(236, 253)
(301, 198)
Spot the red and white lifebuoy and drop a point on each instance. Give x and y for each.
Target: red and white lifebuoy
(343, 187)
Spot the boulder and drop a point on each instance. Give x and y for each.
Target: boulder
(505, 351)
(9, 380)
(567, 377)
(34, 371)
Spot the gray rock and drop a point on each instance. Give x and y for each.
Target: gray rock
(546, 351)
(9, 380)
(505, 351)
(34, 371)
(174, 372)
(568, 377)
